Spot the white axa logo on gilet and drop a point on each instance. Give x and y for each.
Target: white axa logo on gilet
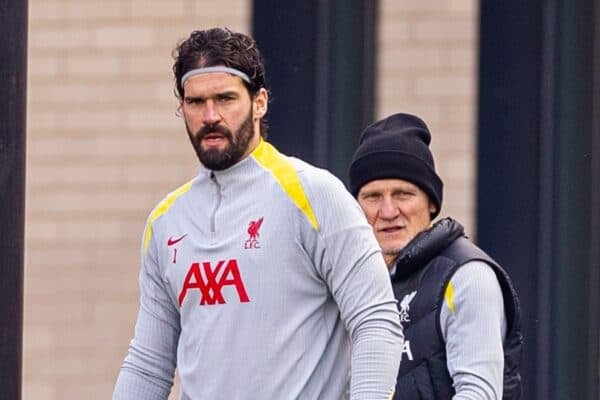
(404, 317)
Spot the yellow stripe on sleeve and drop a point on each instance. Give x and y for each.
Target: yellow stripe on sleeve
(286, 175)
(162, 208)
(449, 297)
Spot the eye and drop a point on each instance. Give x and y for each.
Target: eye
(194, 101)
(402, 194)
(225, 98)
(371, 197)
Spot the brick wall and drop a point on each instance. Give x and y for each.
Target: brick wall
(427, 66)
(104, 145)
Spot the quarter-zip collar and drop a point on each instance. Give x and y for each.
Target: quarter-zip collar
(238, 171)
(227, 182)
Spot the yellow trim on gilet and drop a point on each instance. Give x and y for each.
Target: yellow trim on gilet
(449, 296)
(162, 208)
(285, 173)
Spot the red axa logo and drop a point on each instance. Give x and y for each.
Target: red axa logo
(253, 227)
(210, 280)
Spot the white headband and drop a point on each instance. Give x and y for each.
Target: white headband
(220, 68)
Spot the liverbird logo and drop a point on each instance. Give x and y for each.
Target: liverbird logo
(405, 306)
(253, 228)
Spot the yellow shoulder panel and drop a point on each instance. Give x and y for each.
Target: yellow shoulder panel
(449, 296)
(162, 208)
(286, 175)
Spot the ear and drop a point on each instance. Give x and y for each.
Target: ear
(432, 208)
(260, 103)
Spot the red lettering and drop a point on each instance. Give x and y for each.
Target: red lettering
(192, 274)
(210, 289)
(236, 280)
(251, 244)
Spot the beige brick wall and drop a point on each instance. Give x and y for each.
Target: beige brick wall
(427, 66)
(104, 145)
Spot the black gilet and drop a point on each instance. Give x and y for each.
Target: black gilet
(423, 270)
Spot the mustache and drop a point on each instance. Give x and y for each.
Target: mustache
(206, 129)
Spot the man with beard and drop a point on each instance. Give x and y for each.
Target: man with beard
(460, 313)
(260, 278)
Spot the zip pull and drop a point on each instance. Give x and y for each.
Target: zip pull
(213, 228)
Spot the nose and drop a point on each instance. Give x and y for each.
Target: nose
(388, 209)
(210, 113)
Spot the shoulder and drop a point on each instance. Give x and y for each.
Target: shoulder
(291, 170)
(169, 200)
(162, 208)
(475, 280)
(475, 268)
(319, 194)
(473, 298)
(475, 272)
(315, 178)
(326, 192)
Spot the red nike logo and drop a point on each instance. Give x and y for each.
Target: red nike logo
(172, 241)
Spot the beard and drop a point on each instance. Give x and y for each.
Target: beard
(220, 159)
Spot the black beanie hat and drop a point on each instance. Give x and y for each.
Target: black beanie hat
(397, 147)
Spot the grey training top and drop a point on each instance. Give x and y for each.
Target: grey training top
(262, 281)
(473, 325)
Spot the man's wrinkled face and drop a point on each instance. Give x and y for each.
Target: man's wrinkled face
(221, 118)
(397, 210)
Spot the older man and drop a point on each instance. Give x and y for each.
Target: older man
(460, 313)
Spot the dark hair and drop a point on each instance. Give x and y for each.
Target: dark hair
(221, 46)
